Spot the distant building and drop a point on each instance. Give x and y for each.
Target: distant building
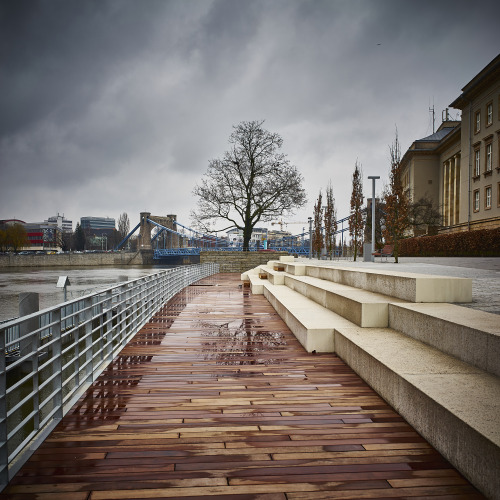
(65, 225)
(98, 225)
(458, 167)
(10, 222)
(428, 166)
(43, 236)
(235, 236)
(281, 239)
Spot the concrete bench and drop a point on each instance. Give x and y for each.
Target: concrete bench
(312, 324)
(361, 307)
(274, 277)
(454, 405)
(467, 334)
(256, 284)
(407, 286)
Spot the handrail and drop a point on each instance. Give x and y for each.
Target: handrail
(49, 358)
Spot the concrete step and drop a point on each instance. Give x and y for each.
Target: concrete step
(406, 286)
(275, 277)
(452, 404)
(246, 275)
(467, 334)
(361, 307)
(256, 283)
(312, 324)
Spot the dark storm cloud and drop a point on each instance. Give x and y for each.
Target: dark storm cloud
(118, 105)
(56, 53)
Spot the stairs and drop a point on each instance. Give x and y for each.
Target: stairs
(436, 363)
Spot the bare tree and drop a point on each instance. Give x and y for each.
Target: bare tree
(123, 225)
(423, 216)
(397, 217)
(330, 220)
(317, 236)
(253, 182)
(356, 219)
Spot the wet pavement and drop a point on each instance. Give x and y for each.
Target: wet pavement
(215, 398)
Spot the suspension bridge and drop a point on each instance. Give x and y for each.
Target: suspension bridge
(165, 236)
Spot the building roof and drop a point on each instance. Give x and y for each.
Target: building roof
(488, 74)
(437, 136)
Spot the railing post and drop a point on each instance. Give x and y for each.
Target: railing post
(4, 458)
(57, 364)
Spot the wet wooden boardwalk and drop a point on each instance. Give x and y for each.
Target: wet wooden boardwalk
(215, 398)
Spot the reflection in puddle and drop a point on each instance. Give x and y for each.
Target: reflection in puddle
(240, 342)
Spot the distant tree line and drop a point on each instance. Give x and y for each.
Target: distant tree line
(13, 237)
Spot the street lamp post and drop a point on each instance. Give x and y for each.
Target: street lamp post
(310, 237)
(373, 178)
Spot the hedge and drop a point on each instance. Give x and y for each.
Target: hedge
(479, 243)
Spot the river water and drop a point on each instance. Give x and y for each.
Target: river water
(14, 281)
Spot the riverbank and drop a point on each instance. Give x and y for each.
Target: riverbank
(73, 260)
(43, 280)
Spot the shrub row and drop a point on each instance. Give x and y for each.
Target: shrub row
(480, 243)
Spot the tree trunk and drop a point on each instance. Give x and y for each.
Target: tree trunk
(247, 236)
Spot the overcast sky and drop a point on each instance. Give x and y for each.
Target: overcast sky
(111, 106)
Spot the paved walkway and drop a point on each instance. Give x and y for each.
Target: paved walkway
(484, 271)
(215, 398)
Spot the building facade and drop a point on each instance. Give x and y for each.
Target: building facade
(98, 226)
(479, 203)
(458, 167)
(65, 225)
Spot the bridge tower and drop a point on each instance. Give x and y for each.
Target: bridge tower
(146, 228)
(145, 232)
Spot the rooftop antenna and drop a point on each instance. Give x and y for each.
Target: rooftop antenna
(433, 113)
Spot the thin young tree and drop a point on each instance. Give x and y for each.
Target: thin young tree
(356, 219)
(317, 242)
(397, 205)
(330, 220)
(123, 225)
(253, 182)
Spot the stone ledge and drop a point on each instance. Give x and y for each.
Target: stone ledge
(312, 324)
(455, 406)
(407, 286)
(361, 307)
(469, 335)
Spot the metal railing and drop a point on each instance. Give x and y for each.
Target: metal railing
(49, 358)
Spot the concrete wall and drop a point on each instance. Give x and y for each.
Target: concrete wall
(239, 262)
(77, 259)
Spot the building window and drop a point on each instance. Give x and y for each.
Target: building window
(477, 122)
(487, 197)
(489, 157)
(477, 162)
(489, 114)
(476, 200)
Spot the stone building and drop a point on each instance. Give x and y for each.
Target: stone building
(458, 167)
